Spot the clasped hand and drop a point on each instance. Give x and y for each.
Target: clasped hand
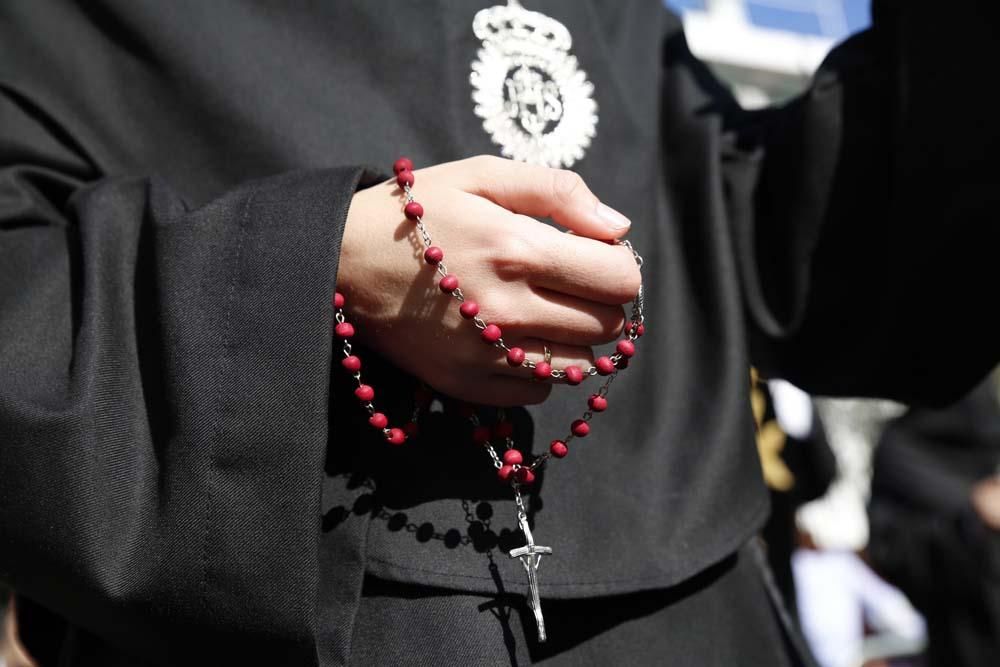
(539, 284)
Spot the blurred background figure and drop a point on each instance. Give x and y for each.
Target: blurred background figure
(935, 522)
(798, 466)
(818, 527)
(849, 615)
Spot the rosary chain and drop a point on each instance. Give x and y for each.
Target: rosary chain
(637, 318)
(637, 303)
(633, 331)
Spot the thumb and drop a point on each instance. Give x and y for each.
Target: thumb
(543, 192)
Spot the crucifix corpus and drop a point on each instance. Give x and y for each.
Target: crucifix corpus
(531, 555)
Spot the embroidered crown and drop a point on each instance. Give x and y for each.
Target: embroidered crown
(506, 24)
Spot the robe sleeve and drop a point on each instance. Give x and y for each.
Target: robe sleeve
(164, 387)
(864, 211)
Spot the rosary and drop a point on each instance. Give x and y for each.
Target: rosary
(511, 466)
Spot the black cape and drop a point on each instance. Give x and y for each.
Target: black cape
(174, 181)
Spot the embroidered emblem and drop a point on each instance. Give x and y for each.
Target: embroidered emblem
(535, 101)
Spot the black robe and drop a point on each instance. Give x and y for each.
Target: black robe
(927, 538)
(174, 181)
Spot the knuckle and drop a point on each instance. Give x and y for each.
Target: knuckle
(612, 323)
(602, 326)
(629, 280)
(512, 256)
(566, 184)
(633, 280)
(485, 164)
(511, 313)
(516, 321)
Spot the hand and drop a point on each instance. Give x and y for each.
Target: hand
(986, 501)
(536, 283)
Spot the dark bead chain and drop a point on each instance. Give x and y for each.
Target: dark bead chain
(511, 466)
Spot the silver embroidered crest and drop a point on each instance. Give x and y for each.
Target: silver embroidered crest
(535, 101)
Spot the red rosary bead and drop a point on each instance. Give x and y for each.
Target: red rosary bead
(512, 468)
(469, 309)
(515, 356)
(413, 210)
(604, 365)
(503, 430)
(404, 178)
(491, 333)
(433, 255)
(344, 330)
(402, 164)
(558, 449)
(513, 457)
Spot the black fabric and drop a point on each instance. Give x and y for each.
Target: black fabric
(42, 632)
(164, 314)
(925, 535)
(719, 617)
(169, 520)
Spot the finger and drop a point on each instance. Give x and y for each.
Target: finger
(562, 318)
(588, 269)
(529, 250)
(562, 356)
(541, 192)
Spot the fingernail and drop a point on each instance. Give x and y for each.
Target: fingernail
(613, 218)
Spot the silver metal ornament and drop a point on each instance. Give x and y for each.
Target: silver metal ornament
(535, 101)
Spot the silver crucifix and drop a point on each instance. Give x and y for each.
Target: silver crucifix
(531, 555)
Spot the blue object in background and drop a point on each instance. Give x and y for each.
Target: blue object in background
(680, 5)
(835, 19)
